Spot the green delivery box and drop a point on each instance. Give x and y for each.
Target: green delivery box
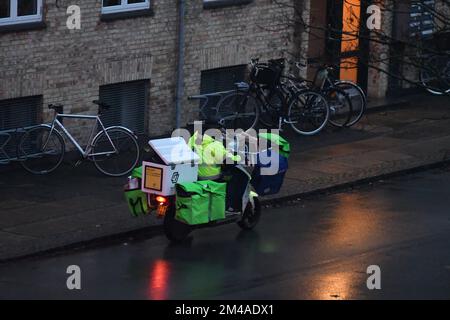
(137, 202)
(200, 202)
(135, 197)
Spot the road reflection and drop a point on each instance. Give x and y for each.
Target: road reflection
(334, 286)
(352, 223)
(158, 288)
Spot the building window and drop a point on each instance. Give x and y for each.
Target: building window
(15, 114)
(421, 21)
(20, 11)
(211, 4)
(219, 80)
(116, 6)
(128, 103)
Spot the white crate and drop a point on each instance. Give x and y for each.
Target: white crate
(180, 165)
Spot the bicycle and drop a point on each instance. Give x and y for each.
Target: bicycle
(265, 100)
(347, 100)
(434, 73)
(113, 150)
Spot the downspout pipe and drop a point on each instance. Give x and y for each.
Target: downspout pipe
(180, 65)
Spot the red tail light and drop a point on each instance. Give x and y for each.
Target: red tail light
(161, 200)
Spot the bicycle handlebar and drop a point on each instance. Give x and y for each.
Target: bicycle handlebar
(254, 61)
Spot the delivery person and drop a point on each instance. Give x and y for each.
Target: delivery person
(212, 153)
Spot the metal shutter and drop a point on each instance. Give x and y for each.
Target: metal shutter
(217, 80)
(16, 114)
(128, 103)
(222, 79)
(19, 113)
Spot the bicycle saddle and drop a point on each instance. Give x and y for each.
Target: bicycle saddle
(57, 107)
(101, 104)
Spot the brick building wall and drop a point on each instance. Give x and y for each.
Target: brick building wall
(232, 36)
(68, 66)
(378, 82)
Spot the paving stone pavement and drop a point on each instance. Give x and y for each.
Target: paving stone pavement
(77, 204)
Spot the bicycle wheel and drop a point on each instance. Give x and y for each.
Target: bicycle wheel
(270, 115)
(308, 113)
(118, 156)
(40, 150)
(341, 108)
(238, 110)
(435, 75)
(358, 99)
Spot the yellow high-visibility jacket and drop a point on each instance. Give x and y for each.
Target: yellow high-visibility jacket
(212, 153)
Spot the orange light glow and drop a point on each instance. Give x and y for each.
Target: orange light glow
(349, 69)
(352, 224)
(159, 278)
(161, 199)
(334, 286)
(351, 19)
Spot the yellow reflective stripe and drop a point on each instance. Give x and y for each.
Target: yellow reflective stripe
(205, 171)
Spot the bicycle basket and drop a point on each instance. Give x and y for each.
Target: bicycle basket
(265, 75)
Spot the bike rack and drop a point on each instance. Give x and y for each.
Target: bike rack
(9, 134)
(204, 111)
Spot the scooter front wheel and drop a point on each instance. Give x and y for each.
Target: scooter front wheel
(175, 230)
(251, 215)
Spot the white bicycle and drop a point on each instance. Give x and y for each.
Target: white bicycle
(114, 150)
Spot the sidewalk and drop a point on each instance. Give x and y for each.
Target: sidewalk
(76, 205)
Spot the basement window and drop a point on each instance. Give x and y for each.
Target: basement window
(13, 12)
(15, 114)
(128, 103)
(118, 6)
(220, 80)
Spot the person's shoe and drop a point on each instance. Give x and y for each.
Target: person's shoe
(231, 212)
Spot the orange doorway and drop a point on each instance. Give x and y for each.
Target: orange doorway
(346, 45)
(351, 22)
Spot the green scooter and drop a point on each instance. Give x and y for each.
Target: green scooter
(246, 215)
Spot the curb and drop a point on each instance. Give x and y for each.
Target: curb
(150, 231)
(340, 187)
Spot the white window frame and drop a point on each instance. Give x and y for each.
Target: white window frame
(124, 6)
(14, 19)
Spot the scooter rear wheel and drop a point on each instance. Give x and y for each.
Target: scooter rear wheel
(251, 215)
(175, 230)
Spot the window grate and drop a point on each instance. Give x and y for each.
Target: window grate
(128, 102)
(19, 113)
(217, 80)
(15, 114)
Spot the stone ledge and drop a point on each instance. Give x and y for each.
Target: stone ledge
(224, 3)
(106, 17)
(29, 26)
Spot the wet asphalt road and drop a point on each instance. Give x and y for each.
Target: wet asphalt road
(314, 249)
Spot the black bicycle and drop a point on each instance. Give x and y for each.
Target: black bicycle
(346, 99)
(267, 101)
(435, 73)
